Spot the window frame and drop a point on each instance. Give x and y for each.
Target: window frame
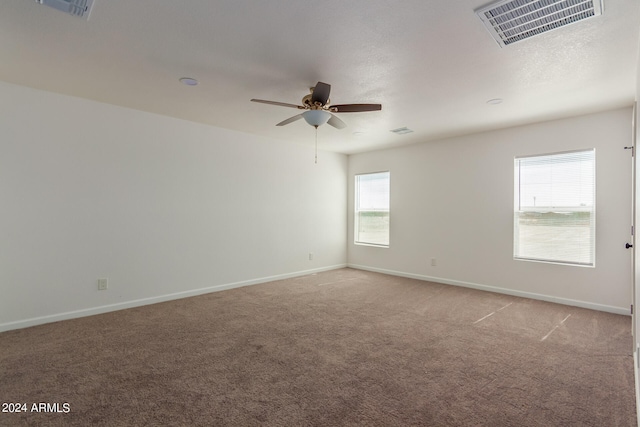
(566, 209)
(357, 240)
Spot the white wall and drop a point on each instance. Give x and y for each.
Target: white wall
(167, 208)
(453, 200)
(161, 207)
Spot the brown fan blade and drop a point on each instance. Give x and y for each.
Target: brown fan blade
(290, 120)
(336, 122)
(355, 108)
(321, 93)
(281, 104)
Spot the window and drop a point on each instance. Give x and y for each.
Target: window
(371, 222)
(554, 215)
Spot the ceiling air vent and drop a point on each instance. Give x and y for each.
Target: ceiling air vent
(401, 131)
(80, 8)
(515, 20)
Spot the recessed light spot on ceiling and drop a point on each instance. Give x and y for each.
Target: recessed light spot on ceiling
(494, 101)
(401, 131)
(79, 8)
(510, 21)
(189, 81)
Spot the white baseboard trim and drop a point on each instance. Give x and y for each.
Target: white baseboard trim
(523, 294)
(19, 324)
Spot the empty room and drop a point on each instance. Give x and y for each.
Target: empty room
(340, 213)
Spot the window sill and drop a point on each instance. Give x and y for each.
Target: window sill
(373, 245)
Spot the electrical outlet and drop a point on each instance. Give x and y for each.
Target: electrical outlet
(310, 256)
(103, 284)
(434, 262)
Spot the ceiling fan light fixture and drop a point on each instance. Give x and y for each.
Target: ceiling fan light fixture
(316, 117)
(318, 110)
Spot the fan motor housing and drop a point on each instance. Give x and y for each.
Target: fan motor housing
(306, 101)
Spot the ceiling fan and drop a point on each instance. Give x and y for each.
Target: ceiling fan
(319, 109)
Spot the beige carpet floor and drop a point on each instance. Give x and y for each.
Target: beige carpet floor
(344, 347)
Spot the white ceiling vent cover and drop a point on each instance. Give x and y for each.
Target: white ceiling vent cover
(80, 8)
(401, 131)
(514, 20)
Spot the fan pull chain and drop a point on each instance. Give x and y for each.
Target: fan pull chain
(316, 162)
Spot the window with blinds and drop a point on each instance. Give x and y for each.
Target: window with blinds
(554, 212)
(371, 218)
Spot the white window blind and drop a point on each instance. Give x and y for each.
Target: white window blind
(554, 215)
(371, 219)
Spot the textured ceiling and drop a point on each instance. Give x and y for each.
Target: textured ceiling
(430, 63)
